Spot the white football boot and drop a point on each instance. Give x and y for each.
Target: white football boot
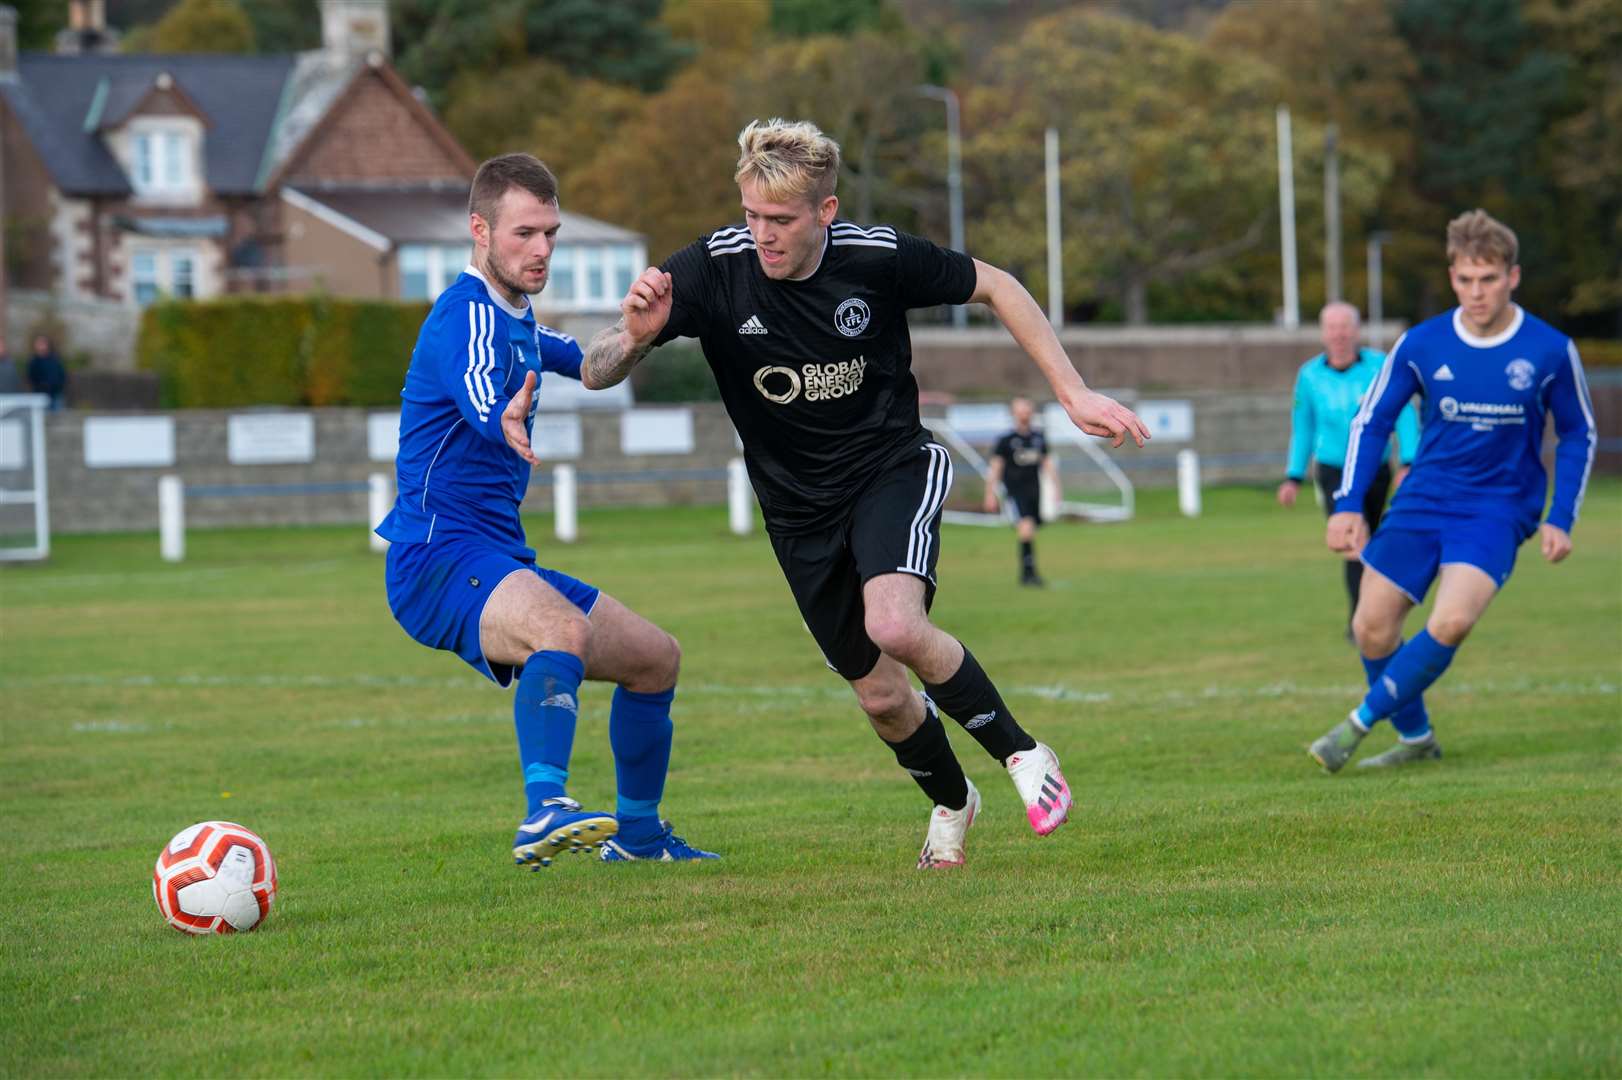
(943, 846)
(1037, 777)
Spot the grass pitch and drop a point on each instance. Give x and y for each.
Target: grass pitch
(1216, 905)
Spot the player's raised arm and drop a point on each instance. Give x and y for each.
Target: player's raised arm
(1092, 412)
(643, 313)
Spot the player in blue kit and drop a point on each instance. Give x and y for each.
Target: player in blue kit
(1488, 373)
(460, 575)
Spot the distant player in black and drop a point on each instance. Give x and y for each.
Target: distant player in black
(1018, 464)
(802, 318)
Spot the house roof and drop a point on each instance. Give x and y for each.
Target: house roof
(65, 102)
(438, 215)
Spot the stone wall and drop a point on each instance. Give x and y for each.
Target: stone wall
(1241, 437)
(103, 329)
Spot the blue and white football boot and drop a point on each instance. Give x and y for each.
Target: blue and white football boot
(558, 826)
(667, 847)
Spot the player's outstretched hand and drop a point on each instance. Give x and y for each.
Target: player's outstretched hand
(646, 306)
(1287, 492)
(1346, 534)
(1099, 414)
(991, 501)
(1556, 542)
(513, 419)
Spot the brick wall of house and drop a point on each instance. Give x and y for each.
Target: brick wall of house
(27, 209)
(349, 147)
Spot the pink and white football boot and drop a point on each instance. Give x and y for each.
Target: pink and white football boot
(1040, 783)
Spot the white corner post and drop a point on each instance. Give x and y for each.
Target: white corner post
(740, 499)
(1286, 220)
(565, 504)
(379, 497)
(1188, 483)
(172, 518)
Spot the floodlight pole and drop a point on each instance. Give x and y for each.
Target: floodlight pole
(1286, 219)
(954, 178)
(1376, 288)
(1332, 214)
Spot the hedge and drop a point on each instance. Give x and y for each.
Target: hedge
(300, 350)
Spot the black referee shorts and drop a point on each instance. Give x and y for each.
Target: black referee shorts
(1027, 500)
(893, 527)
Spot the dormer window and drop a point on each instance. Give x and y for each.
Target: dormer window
(163, 160)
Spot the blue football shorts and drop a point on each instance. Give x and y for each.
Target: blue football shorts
(438, 590)
(1409, 551)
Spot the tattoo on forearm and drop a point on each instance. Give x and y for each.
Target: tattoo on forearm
(607, 361)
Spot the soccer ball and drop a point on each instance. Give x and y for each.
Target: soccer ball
(214, 878)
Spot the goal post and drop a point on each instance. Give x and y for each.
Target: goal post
(25, 527)
(1091, 486)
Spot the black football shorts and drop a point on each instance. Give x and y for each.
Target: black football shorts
(893, 527)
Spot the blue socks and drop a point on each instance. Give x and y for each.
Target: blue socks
(1412, 722)
(639, 731)
(1396, 684)
(544, 712)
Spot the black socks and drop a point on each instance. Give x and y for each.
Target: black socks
(928, 757)
(969, 698)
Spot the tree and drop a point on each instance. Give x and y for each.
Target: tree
(667, 169)
(1167, 155)
(622, 42)
(862, 91)
(194, 26)
(1584, 152)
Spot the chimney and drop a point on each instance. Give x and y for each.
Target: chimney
(87, 30)
(8, 44)
(355, 28)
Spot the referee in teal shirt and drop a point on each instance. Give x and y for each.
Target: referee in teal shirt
(1328, 390)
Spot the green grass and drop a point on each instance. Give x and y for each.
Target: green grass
(1217, 906)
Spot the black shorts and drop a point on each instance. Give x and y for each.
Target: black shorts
(1027, 500)
(1328, 477)
(893, 527)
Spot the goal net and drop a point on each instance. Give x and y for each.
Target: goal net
(1091, 487)
(25, 531)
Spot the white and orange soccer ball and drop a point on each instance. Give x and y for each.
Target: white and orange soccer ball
(214, 878)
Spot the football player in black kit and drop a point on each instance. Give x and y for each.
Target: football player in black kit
(802, 318)
(1018, 464)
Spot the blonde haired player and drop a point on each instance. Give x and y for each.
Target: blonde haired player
(802, 317)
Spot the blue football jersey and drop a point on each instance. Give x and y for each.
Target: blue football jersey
(1481, 440)
(454, 470)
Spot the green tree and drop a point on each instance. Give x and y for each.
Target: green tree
(1167, 152)
(862, 91)
(194, 26)
(622, 42)
(1584, 153)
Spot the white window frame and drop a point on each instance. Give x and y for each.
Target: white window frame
(593, 291)
(164, 258)
(165, 159)
(444, 263)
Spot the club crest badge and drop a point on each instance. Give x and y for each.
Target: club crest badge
(852, 317)
(1521, 373)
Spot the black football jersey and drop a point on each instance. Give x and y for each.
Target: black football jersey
(1022, 457)
(816, 374)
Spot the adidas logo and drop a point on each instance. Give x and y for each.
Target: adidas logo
(752, 325)
(980, 721)
(1443, 374)
(919, 774)
(561, 701)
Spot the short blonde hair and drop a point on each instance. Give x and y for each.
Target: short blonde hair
(788, 160)
(1476, 234)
